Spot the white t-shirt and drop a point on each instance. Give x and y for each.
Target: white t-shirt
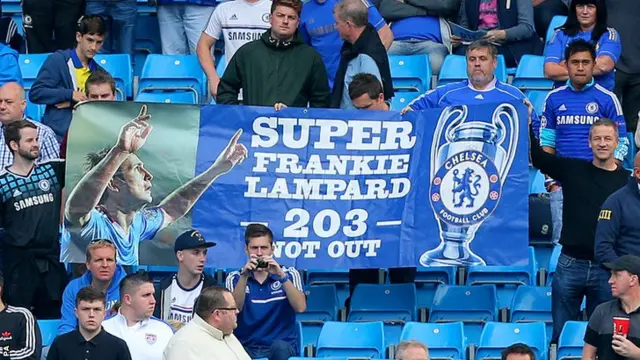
(238, 22)
(146, 339)
(182, 300)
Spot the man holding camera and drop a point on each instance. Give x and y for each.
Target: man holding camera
(268, 296)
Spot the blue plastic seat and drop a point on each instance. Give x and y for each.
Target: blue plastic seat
(393, 304)
(119, 66)
(556, 22)
(473, 305)
(410, 72)
(48, 330)
(427, 281)
(533, 303)
(147, 40)
(627, 163)
(402, 98)
(362, 339)
(454, 69)
(506, 278)
(498, 336)
(338, 277)
(322, 306)
(30, 65)
(571, 340)
(530, 74)
(537, 98)
(167, 97)
(173, 73)
(553, 263)
(11, 6)
(445, 341)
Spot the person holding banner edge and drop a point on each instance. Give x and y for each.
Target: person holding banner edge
(587, 184)
(111, 199)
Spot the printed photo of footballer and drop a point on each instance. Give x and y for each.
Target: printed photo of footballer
(113, 198)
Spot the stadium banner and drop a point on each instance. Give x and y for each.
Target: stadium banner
(339, 189)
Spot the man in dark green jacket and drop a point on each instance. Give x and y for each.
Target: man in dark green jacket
(279, 68)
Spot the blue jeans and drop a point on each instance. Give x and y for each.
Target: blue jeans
(436, 51)
(555, 202)
(122, 25)
(181, 26)
(279, 350)
(573, 280)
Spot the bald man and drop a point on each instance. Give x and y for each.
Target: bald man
(12, 105)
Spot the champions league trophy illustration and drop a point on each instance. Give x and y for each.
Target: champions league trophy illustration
(467, 175)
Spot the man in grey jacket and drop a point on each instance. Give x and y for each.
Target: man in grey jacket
(420, 27)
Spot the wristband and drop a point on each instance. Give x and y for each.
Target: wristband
(285, 278)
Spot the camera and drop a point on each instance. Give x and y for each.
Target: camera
(262, 264)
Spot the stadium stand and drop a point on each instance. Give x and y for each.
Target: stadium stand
(571, 340)
(340, 278)
(427, 281)
(497, 336)
(48, 330)
(30, 66)
(445, 340)
(532, 304)
(530, 74)
(322, 306)
(173, 74)
(454, 68)
(410, 73)
(364, 339)
(119, 66)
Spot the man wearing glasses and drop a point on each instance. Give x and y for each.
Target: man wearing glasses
(209, 335)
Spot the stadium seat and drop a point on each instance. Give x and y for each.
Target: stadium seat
(498, 336)
(445, 341)
(34, 111)
(473, 305)
(331, 276)
(147, 40)
(427, 281)
(158, 272)
(506, 278)
(173, 73)
(403, 98)
(537, 98)
(556, 22)
(536, 181)
(571, 340)
(553, 263)
(532, 303)
(454, 69)
(530, 74)
(167, 97)
(362, 339)
(11, 6)
(48, 330)
(119, 66)
(30, 65)
(410, 72)
(322, 306)
(393, 304)
(627, 163)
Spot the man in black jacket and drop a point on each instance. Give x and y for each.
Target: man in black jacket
(279, 68)
(176, 295)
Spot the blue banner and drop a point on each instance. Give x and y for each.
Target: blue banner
(358, 189)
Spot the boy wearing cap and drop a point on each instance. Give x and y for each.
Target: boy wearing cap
(177, 293)
(614, 328)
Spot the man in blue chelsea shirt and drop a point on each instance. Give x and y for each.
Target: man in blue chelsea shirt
(268, 297)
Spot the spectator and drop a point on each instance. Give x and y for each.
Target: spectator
(9, 68)
(569, 112)
(586, 185)
(63, 75)
(362, 52)
(120, 17)
(267, 321)
(209, 336)
(89, 341)
(24, 339)
(9, 34)
(420, 27)
(518, 351)
(277, 68)
(482, 85)
(544, 11)
(317, 27)
(12, 105)
(100, 86)
(412, 350)
(235, 23)
(587, 20)
(603, 338)
(182, 22)
(509, 24)
(31, 202)
(146, 336)
(618, 231)
(623, 16)
(102, 274)
(43, 18)
(366, 93)
(178, 293)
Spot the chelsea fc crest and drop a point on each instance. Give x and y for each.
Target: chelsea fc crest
(44, 185)
(276, 285)
(592, 107)
(466, 189)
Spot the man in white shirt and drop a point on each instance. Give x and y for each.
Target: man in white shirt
(145, 335)
(177, 293)
(236, 23)
(209, 336)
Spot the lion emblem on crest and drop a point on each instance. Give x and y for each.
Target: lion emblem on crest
(467, 186)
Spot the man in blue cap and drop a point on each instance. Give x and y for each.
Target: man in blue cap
(177, 293)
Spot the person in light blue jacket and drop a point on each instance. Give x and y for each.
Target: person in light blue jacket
(9, 68)
(102, 273)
